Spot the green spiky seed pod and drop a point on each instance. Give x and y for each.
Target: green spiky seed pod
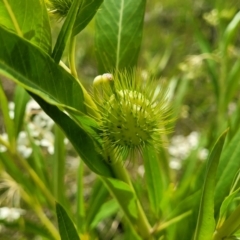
(59, 8)
(133, 114)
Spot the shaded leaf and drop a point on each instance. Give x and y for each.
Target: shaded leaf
(65, 225)
(81, 141)
(66, 31)
(37, 72)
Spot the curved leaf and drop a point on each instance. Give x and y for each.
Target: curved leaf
(65, 225)
(29, 17)
(37, 72)
(228, 167)
(206, 221)
(153, 178)
(66, 31)
(85, 14)
(119, 33)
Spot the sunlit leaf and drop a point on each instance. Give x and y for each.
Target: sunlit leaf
(28, 17)
(119, 33)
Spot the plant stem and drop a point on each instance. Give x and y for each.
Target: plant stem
(39, 211)
(143, 225)
(13, 18)
(71, 56)
(36, 179)
(230, 226)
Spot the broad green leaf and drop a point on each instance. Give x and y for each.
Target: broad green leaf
(9, 123)
(65, 225)
(66, 31)
(34, 70)
(228, 167)
(81, 141)
(106, 210)
(118, 33)
(153, 178)
(206, 222)
(86, 13)
(21, 98)
(125, 197)
(29, 19)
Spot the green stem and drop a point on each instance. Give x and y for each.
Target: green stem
(36, 179)
(162, 226)
(71, 56)
(230, 226)
(142, 223)
(40, 213)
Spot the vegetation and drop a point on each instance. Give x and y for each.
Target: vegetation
(124, 122)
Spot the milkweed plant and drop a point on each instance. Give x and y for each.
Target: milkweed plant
(134, 135)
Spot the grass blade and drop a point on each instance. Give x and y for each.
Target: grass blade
(206, 222)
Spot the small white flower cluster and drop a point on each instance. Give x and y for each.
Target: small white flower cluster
(38, 126)
(181, 146)
(10, 214)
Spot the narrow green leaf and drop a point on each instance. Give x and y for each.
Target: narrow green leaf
(125, 197)
(206, 48)
(153, 178)
(21, 98)
(59, 166)
(106, 210)
(231, 31)
(232, 81)
(65, 225)
(86, 13)
(30, 18)
(225, 205)
(82, 142)
(37, 72)
(66, 31)
(118, 33)
(228, 167)
(9, 123)
(206, 222)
